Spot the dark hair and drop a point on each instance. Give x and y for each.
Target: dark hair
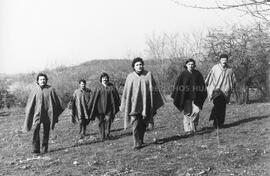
(190, 60)
(82, 80)
(103, 75)
(42, 74)
(224, 56)
(137, 59)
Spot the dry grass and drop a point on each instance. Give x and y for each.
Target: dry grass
(243, 147)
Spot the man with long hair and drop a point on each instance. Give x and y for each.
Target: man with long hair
(189, 95)
(104, 105)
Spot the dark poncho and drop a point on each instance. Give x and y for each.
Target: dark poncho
(104, 101)
(79, 104)
(189, 86)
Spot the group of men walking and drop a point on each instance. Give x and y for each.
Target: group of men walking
(190, 92)
(139, 103)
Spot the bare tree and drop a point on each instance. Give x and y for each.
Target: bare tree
(171, 50)
(171, 46)
(248, 48)
(156, 50)
(256, 8)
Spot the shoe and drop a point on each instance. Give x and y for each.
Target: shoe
(36, 152)
(190, 133)
(82, 136)
(150, 127)
(137, 147)
(215, 126)
(45, 149)
(220, 126)
(101, 139)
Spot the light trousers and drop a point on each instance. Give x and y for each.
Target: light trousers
(191, 116)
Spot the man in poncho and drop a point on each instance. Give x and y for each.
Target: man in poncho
(140, 100)
(104, 104)
(79, 112)
(220, 82)
(43, 107)
(189, 95)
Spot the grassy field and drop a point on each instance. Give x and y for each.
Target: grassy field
(241, 148)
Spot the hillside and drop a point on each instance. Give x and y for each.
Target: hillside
(65, 79)
(241, 148)
(92, 69)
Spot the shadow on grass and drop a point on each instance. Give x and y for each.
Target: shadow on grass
(118, 129)
(4, 113)
(113, 130)
(206, 130)
(183, 136)
(75, 145)
(123, 133)
(95, 141)
(250, 119)
(259, 100)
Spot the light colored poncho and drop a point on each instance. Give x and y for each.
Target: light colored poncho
(43, 106)
(220, 78)
(140, 96)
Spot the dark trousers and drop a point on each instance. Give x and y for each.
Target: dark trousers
(83, 124)
(104, 125)
(219, 111)
(36, 138)
(139, 128)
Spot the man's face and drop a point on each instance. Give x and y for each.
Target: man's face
(138, 67)
(223, 61)
(190, 66)
(82, 85)
(42, 81)
(104, 80)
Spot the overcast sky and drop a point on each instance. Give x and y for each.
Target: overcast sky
(38, 34)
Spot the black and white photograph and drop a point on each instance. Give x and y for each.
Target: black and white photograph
(135, 87)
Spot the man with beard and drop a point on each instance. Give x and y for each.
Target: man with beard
(104, 104)
(43, 107)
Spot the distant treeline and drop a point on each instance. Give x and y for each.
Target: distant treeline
(248, 48)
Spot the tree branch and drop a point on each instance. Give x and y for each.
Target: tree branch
(256, 8)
